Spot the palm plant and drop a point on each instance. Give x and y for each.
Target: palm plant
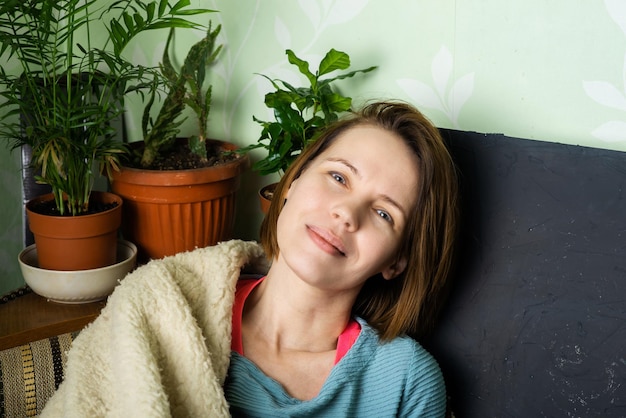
(71, 81)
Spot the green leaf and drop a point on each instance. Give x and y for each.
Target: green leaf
(197, 146)
(139, 20)
(302, 65)
(280, 98)
(172, 22)
(192, 12)
(336, 103)
(180, 5)
(345, 75)
(274, 130)
(162, 7)
(128, 21)
(334, 60)
(289, 118)
(150, 9)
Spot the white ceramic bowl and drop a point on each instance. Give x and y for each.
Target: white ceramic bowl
(81, 286)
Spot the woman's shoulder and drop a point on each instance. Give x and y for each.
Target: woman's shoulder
(404, 351)
(404, 367)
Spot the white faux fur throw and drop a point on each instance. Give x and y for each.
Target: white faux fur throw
(161, 345)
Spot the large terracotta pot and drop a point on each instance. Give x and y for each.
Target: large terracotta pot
(81, 242)
(167, 212)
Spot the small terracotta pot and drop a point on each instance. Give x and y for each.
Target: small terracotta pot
(80, 242)
(171, 211)
(264, 200)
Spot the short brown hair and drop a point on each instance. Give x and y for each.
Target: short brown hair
(409, 303)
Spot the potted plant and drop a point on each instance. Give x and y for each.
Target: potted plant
(300, 114)
(69, 85)
(174, 204)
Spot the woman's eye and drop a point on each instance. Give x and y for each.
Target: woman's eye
(338, 177)
(384, 215)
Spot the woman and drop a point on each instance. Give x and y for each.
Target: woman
(360, 238)
(360, 234)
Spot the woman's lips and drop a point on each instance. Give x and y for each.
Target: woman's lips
(327, 241)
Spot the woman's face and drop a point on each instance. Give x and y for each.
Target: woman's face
(345, 215)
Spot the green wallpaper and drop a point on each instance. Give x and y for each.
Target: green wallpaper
(545, 70)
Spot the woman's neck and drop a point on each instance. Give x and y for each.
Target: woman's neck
(288, 314)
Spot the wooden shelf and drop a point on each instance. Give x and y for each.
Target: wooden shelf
(30, 318)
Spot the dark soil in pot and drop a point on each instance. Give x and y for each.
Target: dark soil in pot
(180, 157)
(49, 208)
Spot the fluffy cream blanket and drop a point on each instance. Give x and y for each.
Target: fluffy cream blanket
(161, 345)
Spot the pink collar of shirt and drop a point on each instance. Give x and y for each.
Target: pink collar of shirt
(245, 287)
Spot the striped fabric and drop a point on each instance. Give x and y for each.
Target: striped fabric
(29, 375)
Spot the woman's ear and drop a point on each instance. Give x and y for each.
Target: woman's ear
(395, 269)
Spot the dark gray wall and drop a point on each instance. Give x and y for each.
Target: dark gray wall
(536, 321)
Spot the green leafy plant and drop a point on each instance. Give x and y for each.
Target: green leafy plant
(301, 113)
(71, 82)
(185, 89)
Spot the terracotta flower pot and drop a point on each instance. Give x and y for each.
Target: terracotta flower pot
(171, 211)
(81, 242)
(265, 197)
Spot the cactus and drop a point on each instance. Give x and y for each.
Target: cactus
(185, 88)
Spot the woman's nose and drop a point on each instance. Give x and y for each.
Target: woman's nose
(347, 213)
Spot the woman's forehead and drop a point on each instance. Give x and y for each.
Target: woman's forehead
(376, 154)
(368, 140)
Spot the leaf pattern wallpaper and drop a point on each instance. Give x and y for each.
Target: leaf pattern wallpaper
(445, 95)
(608, 94)
(543, 70)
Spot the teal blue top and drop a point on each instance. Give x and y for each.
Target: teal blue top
(394, 379)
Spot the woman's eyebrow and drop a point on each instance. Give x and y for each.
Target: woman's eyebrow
(392, 202)
(346, 163)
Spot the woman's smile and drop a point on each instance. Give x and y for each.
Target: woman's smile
(326, 241)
